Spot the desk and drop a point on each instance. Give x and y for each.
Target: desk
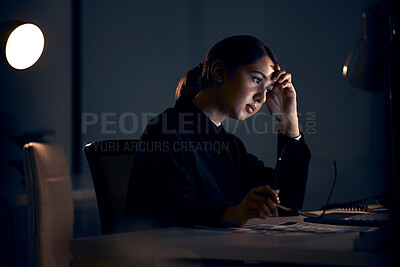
(157, 246)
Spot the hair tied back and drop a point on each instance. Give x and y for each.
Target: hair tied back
(200, 66)
(190, 83)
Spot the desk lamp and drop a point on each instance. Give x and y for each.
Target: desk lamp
(368, 67)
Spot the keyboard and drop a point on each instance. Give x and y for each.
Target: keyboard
(371, 218)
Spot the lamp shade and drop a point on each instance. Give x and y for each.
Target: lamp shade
(366, 65)
(24, 46)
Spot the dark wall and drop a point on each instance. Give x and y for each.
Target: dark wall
(39, 97)
(134, 53)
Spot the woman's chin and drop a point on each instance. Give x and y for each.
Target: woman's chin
(242, 116)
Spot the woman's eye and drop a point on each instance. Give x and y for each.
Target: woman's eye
(256, 80)
(269, 88)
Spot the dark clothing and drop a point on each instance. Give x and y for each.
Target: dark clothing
(187, 171)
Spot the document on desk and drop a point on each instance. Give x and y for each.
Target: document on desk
(300, 228)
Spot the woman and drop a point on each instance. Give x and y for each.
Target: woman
(189, 171)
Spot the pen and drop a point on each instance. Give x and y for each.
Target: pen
(284, 208)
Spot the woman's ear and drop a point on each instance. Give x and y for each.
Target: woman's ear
(218, 71)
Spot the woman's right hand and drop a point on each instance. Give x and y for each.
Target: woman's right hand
(260, 202)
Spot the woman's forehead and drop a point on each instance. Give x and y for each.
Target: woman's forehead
(263, 65)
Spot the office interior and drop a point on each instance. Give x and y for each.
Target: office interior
(109, 66)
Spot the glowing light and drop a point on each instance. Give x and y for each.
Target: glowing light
(24, 46)
(344, 70)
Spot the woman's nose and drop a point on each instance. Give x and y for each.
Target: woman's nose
(259, 97)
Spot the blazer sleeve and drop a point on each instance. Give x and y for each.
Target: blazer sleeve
(289, 175)
(292, 170)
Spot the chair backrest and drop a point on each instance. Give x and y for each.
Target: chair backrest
(50, 204)
(110, 164)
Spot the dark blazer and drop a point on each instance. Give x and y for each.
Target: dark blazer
(187, 171)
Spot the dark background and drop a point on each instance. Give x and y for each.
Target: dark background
(120, 61)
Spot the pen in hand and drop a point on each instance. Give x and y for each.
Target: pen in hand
(284, 208)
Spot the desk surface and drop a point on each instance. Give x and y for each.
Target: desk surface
(150, 246)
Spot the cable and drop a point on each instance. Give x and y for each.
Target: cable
(330, 194)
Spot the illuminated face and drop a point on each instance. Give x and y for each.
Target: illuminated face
(244, 92)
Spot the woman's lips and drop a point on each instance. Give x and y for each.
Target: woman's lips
(250, 108)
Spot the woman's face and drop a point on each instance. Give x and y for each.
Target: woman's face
(244, 92)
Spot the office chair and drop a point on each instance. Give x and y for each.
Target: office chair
(50, 204)
(110, 165)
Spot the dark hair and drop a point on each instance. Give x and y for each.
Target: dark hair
(233, 51)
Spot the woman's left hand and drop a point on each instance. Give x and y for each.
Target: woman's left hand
(281, 102)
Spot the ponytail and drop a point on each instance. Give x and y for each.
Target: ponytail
(190, 83)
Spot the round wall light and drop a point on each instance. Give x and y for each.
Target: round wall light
(24, 46)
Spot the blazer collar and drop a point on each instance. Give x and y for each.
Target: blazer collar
(192, 118)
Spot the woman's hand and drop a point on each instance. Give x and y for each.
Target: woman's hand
(281, 102)
(260, 202)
